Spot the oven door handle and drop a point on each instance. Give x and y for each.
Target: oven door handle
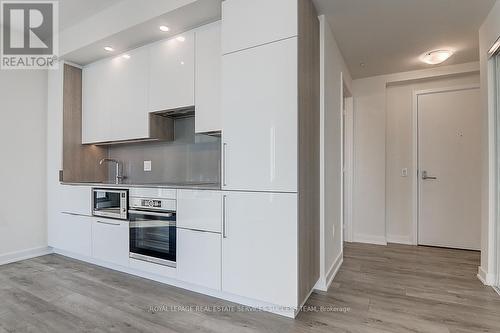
(142, 212)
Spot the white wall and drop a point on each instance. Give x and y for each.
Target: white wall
(332, 69)
(488, 33)
(369, 193)
(399, 155)
(23, 110)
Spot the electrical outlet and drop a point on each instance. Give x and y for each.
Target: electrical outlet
(404, 172)
(147, 165)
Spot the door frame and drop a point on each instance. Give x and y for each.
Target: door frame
(347, 151)
(415, 158)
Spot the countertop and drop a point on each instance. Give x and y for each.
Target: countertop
(194, 186)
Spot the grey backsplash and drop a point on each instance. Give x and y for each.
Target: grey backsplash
(190, 158)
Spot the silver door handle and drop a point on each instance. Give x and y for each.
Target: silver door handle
(224, 154)
(108, 223)
(425, 176)
(224, 234)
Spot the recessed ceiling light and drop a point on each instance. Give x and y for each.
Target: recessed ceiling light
(181, 38)
(164, 28)
(182, 62)
(109, 48)
(436, 57)
(126, 56)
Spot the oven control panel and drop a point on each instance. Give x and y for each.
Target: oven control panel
(153, 204)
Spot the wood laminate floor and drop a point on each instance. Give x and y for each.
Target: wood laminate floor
(378, 289)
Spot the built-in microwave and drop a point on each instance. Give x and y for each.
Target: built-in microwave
(110, 203)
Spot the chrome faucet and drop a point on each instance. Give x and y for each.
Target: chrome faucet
(118, 165)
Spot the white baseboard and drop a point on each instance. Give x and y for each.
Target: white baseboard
(399, 239)
(369, 239)
(486, 278)
(290, 312)
(324, 282)
(11, 257)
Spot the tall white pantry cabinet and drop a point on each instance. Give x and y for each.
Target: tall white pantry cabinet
(270, 138)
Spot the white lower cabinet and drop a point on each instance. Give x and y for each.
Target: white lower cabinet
(110, 241)
(199, 258)
(75, 199)
(259, 248)
(72, 233)
(199, 210)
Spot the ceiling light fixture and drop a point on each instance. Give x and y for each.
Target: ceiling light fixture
(164, 28)
(181, 38)
(126, 56)
(109, 48)
(436, 57)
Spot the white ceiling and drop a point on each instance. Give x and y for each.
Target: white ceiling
(72, 12)
(388, 36)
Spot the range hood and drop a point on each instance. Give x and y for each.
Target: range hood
(161, 126)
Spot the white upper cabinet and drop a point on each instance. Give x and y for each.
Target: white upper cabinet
(245, 24)
(115, 98)
(259, 247)
(171, 79)
(259, 118)
(208, 78)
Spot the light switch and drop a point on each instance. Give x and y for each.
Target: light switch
(147, 165)
(404, 172)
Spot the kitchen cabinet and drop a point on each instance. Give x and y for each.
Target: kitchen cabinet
(199, 210)
(248, 24)
(115, 98)
(75, 200)
(110, 241)
(208, 72)
(199, 258)
(171, 73)
(260, 118)
(259, 247)
(72, 233)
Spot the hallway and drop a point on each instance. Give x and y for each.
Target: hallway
(378, 289)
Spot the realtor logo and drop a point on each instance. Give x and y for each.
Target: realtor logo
(29, 34)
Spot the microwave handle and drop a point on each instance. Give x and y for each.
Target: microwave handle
(141, 212)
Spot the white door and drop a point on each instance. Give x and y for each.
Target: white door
(208, 72)
(171, 73)
(199, 258)
(449, 148)
(259, 118)
(259, 246)
(110, 241)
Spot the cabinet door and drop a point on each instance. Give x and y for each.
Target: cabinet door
(208, 78)
(72, 233)
(129, 96)
(250, 23)
(75, 200)
(115, 93)
(199, 210)
(259, 248)
(96, 115)
(259, 118)
(110, 241)
(171, 80)
(199, 258)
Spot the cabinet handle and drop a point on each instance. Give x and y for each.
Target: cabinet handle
(224, 228)
(108, 223)
(224, 154)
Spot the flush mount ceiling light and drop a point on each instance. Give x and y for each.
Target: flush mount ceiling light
(164, 28)
(109, 49)
(126, 56)
(181, 38)
(436, 57)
